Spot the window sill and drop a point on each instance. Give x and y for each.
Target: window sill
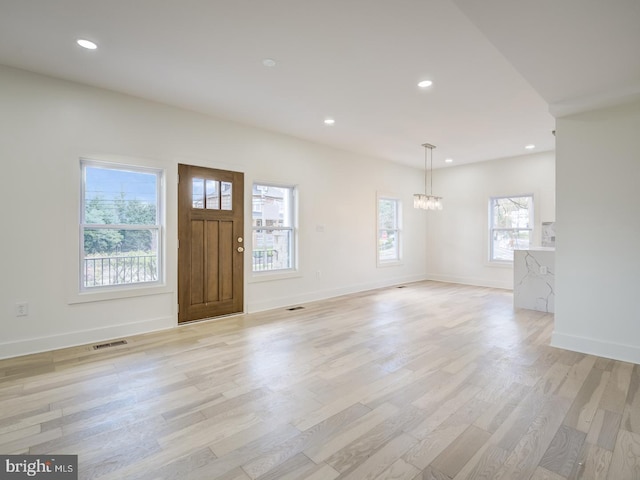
(273, 276)
(114, 293)
(393, 263)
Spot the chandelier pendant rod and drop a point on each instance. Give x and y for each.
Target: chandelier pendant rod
(428, 148)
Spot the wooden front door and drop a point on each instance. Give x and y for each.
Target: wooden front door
(211, 242)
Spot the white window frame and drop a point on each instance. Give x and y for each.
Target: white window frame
(292, 270)
(158, 227)
(492, 229)
(398, 229)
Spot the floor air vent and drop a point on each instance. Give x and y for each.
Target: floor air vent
(110, 344)
(295, 308)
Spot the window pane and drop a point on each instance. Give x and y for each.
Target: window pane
(197, 192)
(273, 222)
(388, 245)
(119, 257)
(227, 190)
(213, 196)
(387, 212)
(272, 206)
(512, 212)
(388, 230)
(506, 241)
(272, 250)
(120, 197)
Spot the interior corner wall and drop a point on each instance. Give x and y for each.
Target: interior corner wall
(458, 236)
(598, 233)
(47, 125)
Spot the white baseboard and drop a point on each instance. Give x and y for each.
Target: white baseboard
(476, 282)
(73, 339)
(591, 346)
(314, 296)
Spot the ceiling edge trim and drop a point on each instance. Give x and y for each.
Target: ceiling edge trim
(595, 102)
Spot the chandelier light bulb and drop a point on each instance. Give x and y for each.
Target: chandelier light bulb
(427, 201)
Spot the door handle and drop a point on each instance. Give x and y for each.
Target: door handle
(240, 239)
(240, 249)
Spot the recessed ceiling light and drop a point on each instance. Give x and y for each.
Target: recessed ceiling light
(329, 121)
(448, 160)
(88, 44)
(425, 83)
(530, 147)
(269, 62)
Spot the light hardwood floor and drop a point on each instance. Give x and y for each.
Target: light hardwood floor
(431, 381)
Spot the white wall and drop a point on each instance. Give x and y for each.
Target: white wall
(46, 125)
(457, 241)
(598, 233)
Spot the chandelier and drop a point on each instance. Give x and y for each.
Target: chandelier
(430, 201)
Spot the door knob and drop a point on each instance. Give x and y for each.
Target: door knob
(240, 239)
(240, 249)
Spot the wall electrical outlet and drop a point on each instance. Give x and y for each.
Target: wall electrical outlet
(22, 309)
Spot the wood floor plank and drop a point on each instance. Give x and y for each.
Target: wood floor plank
(431, 473)
(423, 453)
(625, 461)
(242, 455)
(564, 451)
(366, 423)
(604, 429)
(17, 434)
(430, 381)
(399, 470)
(360, 449)
(440, 411)
(615, 394)
(463, 448)
(544, 474)
(181, 467)
(312, 437)
(236, 474)
(526, 456)
(381, 460)
(497, 412)
(347, 400)
(296, 467)
(484, 464)
(29, 421)
(577, 376)
(631, 415)
(20, 444)
(594, 463)
(586, 400)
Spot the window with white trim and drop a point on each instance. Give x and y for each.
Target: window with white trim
(389, 230)
(120, 226)
(274, 227)
(510, 226)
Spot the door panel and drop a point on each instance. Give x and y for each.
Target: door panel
(211, 220)
(197, 261)
(226, 265)
(213, 265)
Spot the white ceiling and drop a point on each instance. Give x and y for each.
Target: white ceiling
(496, 65)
